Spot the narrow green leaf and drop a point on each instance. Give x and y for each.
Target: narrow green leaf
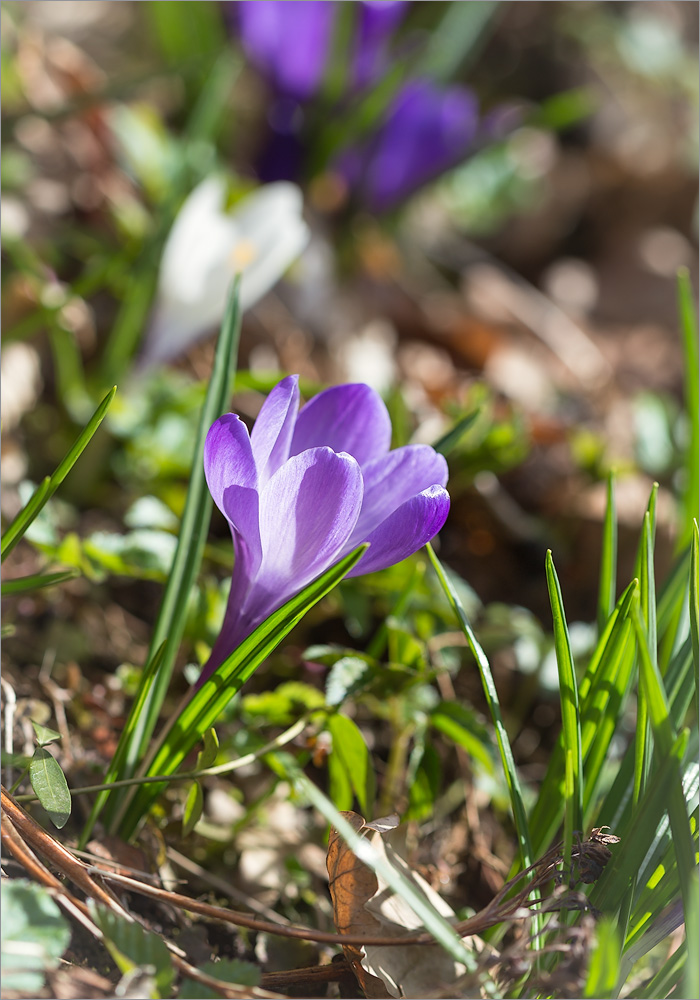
(116, 765)
(350, 749)
(188, 556)
(449, 441)
(608, 560)
(43, 734)
(689, 331)
(694, 599)
(133, 947)
(568, 693)
(691, 978)
(457, 38)
(36, 581)
(638, 829)
(50, 786)
(647, 594)
(602, 694)
(510, 771)
(48, 486)
(208, 701)
(604, 964)
(194, 807)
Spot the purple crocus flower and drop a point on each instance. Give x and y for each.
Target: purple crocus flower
(308, 486)
(427, 131)
(292, 42)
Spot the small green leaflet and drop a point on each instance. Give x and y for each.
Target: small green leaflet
(50, 786)
(44, 735)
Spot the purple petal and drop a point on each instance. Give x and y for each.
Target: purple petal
(405, 530)
(377, 20)
(428, 130)
(272, 434)
(288, 41)
(307, 512)
(350, 418)
(228, 458)
(392, 480)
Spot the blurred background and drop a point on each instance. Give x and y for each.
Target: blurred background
(493, 200)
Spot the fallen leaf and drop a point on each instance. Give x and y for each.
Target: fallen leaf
(364, 904)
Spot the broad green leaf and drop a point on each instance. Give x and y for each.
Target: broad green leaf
(50, 786)
(48, 486)
(194, 807)
(510, 771)
(133, 947)
(345, 677)
(208, 754)
(44, 735)
(568, 694)
(229, 970)
(604, 964)
(36, 582)
(458, 723)
(33, 935)
(350, 749)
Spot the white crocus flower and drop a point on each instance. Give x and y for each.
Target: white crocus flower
(260, 237)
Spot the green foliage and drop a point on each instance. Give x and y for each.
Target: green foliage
(134, 948)
(34, 934)
(228, 970)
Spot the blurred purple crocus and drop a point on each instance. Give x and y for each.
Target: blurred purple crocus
(308, 486)
(292, 42)
(427, 131)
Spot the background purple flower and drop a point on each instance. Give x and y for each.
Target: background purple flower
(307, 487)
(289, 42)
(426, 131)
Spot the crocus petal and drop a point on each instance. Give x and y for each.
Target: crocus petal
(405, 530)
(308, 510)
(351, 418)
(377, 21)
(232, 479)
(291, 42)
(272, 432)
(392, 480)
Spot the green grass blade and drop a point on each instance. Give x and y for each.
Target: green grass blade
(451, 439)
(48, 487)
(509, 768)
(457, 38)
(37, 581)
(571, 725)
(647, 595)
(665, 736)
(689, 331)
(604, 965)
(608, 560)
(602, 693)
(207, 702)
(691, 977)
(694, 599)
(116, 766)
(170, 623)
(638, 829)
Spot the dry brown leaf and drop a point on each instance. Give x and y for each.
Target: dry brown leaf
(364, 903)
